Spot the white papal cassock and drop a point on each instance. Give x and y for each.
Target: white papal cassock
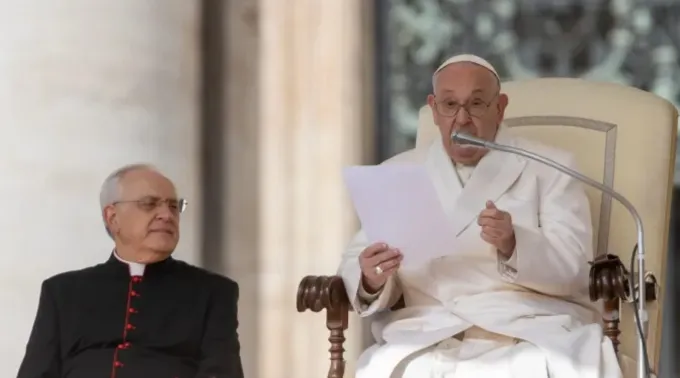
(474, 315)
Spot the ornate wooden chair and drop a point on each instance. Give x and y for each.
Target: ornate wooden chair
(621, 136)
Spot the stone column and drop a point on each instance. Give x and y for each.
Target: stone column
(295, 115)
(85, 87)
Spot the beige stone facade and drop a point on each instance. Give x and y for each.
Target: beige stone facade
(296, 114)
(86, 87)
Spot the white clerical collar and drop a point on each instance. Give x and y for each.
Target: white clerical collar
(136, 269)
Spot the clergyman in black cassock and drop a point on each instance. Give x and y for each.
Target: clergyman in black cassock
(173, 321)
(158, 318)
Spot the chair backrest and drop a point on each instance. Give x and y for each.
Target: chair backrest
(621, 136)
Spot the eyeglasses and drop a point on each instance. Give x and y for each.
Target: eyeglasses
(475, 108)
(149, 204)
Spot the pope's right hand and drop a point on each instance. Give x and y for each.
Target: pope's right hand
(378, 262)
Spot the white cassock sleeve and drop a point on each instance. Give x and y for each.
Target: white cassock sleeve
(363, 303)
(553, 257)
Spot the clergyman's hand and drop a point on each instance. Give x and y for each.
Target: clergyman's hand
(378, 262)
(497, 229)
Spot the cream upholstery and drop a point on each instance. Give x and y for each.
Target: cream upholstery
(622, 136)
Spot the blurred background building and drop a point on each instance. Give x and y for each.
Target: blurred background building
(253, 107)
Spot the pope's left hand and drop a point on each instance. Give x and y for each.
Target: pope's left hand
(497, 229)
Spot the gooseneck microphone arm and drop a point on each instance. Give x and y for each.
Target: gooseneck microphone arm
(641, 313)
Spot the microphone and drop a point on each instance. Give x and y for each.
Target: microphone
(468, 140)
(641, 313)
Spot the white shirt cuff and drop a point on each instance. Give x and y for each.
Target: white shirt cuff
(365, 296)
(507, 267)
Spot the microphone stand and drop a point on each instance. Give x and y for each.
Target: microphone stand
(465, 139)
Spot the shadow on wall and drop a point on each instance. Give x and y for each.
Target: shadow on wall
(228, 70)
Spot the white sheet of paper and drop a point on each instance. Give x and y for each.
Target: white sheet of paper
(398, 204)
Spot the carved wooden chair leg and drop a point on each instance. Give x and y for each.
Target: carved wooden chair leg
(611, 318)
(609, 283)
(317, 293)
(337, 323)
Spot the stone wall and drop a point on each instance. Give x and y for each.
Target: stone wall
(86, 87)
(295, 114)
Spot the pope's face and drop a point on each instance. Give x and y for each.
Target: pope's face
(466, 98)
(146, 217)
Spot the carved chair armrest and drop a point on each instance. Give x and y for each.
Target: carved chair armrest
(328, 293)
(609, 281)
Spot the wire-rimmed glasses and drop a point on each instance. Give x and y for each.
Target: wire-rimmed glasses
(148, 204)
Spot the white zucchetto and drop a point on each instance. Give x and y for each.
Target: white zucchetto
(468, 58)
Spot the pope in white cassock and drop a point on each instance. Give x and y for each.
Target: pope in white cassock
(512, 301)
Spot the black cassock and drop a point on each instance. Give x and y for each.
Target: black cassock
(174, 321)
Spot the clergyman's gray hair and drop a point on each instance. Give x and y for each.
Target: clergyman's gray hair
(110, 191)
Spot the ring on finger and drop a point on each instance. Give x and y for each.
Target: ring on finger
(378, 270)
